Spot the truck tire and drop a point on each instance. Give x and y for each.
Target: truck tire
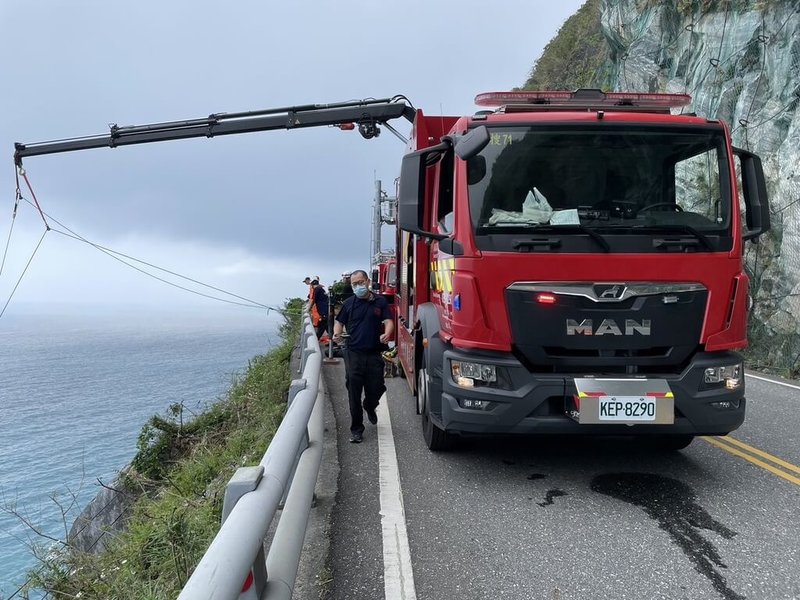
(435, 438)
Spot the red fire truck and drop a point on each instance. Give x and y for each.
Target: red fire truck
(572, 263)
(569, 262)
(384, 278)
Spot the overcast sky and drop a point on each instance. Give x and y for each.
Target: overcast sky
(251, 213)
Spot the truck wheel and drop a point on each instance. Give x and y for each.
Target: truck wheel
(435, 437)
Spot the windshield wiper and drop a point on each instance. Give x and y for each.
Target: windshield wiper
(566, 228)
(668, 228)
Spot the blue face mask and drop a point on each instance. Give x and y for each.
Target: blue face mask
(360, 291)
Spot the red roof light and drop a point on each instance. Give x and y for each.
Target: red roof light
(501, 98)
(583, 98)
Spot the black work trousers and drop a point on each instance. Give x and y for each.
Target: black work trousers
(322, 327)
(364, 374)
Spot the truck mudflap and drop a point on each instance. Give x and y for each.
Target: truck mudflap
(551, 403)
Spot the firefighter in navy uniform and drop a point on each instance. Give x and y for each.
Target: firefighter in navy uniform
(368, 321)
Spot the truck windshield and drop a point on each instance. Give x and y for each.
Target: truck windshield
(617, 180)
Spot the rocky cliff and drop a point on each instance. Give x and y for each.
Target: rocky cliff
(740, 62)
(105, 516)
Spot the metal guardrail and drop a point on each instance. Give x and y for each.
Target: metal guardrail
(287, 473)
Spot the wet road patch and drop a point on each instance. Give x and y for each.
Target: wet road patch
(673, 505)
(548, 498)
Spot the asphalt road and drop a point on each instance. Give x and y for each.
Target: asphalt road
(576, 519)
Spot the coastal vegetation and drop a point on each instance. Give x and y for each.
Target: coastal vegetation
(178, 475)
(576, 57)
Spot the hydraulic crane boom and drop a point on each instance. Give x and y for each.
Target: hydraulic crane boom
(367, 114)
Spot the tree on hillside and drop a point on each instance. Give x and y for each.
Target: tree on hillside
(576, 57)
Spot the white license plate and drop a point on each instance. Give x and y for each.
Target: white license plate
(627, 408)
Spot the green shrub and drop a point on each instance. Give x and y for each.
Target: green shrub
(576, 57)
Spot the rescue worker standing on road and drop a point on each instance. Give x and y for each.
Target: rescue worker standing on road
(341, 290)
(364, 315)
(310, 294)
(319, 307)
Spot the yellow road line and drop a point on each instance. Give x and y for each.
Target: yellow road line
(714, 441)
(774, 459)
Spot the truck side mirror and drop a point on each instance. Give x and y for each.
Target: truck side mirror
(413, 185)
(472, 142)
(754, 190)
(410, 191)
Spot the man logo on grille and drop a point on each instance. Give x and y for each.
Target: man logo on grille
(609, 327)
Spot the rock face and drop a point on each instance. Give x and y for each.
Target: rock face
(740, 62)
(104, 516)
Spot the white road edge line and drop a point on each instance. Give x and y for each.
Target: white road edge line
(398, 576)
(789, 385)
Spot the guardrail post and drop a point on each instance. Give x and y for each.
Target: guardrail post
(331, 325)
(329, 360)
(246, 479)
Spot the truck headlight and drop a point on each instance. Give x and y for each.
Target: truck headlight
(730, 375)
(470, 374)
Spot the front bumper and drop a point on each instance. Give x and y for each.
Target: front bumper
(539, 403)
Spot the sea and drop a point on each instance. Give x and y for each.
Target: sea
(75, 391)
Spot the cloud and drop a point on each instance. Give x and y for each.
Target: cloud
(248, 210)
(247, 266)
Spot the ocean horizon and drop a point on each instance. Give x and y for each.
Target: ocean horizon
(77, 386)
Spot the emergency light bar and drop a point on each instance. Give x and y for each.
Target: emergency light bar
(584, 99)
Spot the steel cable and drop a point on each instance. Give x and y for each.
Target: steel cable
(10, 230)
(248, 303)
(41, 239)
